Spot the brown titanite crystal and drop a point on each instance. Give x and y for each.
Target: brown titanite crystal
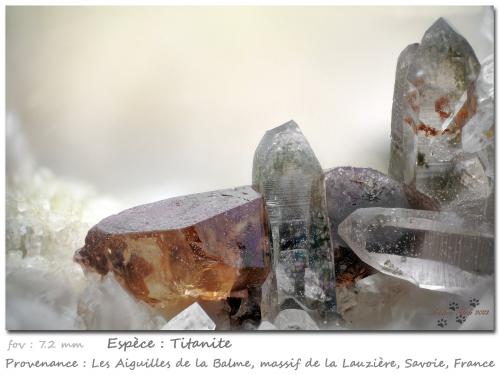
(200, 247)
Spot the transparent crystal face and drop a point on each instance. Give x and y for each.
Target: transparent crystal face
(435, 250)
(290, 178)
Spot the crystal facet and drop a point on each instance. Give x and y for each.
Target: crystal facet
(348, 189)
(438, 117)
(171, 253)
(289, 176)
(403, 137)
(295, 319)
(434, 250)
(191, 319)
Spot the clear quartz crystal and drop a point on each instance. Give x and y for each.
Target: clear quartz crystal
(295, 319)
(435, 250)
(287, 173)
(478, 133)
(443, 113)
(191, 319)
(266, 326)
(403, 133)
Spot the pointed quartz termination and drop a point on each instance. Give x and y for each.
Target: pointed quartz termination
(201, 247)
(289, 176)
(194, 318)
(442, 251)
(434, 100)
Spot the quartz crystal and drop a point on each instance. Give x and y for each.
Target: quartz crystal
(435, 250)
(478, 133)
(266, 326)
(174, 252)
(295, 319)
(289, 176)
(105, 305)
(442, 122)
(383, 302)
(348, 189)
(403, 138)
(191, 319)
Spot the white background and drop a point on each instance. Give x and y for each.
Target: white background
(337, 85)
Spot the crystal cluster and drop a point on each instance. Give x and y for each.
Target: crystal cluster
(442, 152)
(301, 249)
(442, 122)
(304, 248)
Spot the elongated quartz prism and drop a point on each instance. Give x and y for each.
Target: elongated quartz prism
(434, 250)
(442, 122)
(287, 173)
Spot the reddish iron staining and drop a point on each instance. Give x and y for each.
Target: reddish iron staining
(408, 120)
(442, 107)
(461, 117)
(427, 130)
(411, 98)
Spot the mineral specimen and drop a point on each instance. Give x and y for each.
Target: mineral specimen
(348, 189)
(434, 250)
(289, 176)
(437, 119)
(191, 319)
(174, 252)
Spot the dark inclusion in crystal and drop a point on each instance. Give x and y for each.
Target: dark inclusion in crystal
(289, 176)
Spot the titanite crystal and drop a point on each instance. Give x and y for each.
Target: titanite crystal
(194, 318)
(289, 176)
(348, 189)
(435, 118)
(434, 250)
(171, 253)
